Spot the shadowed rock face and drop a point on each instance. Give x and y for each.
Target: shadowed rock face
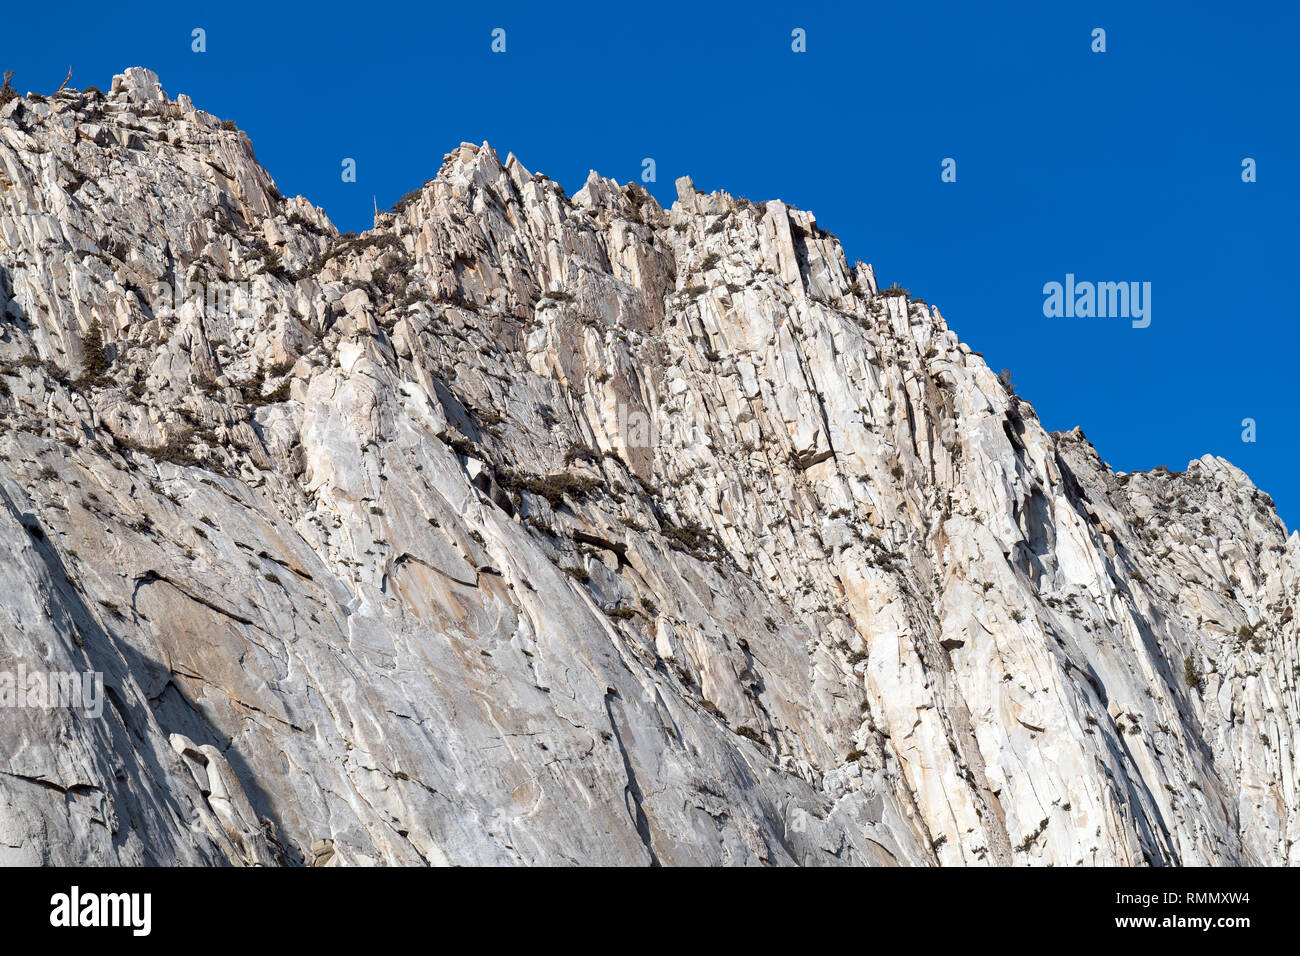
(536, 529)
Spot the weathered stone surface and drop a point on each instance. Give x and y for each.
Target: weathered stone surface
(528, 528)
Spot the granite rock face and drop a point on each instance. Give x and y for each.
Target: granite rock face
(527, 528)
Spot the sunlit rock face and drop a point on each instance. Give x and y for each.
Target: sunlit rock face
(527, 528)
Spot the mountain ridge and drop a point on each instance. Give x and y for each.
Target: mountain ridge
(832, 593)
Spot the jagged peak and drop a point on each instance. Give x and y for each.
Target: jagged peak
(140, 85)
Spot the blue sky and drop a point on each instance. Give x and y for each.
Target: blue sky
(1115, 166)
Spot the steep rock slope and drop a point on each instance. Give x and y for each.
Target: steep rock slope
(528, 528)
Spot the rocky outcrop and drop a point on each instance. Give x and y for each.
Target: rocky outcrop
(528, 528)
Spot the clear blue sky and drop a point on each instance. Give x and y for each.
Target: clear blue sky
(1117, 166)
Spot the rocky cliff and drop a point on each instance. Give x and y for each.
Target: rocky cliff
(528, 528)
